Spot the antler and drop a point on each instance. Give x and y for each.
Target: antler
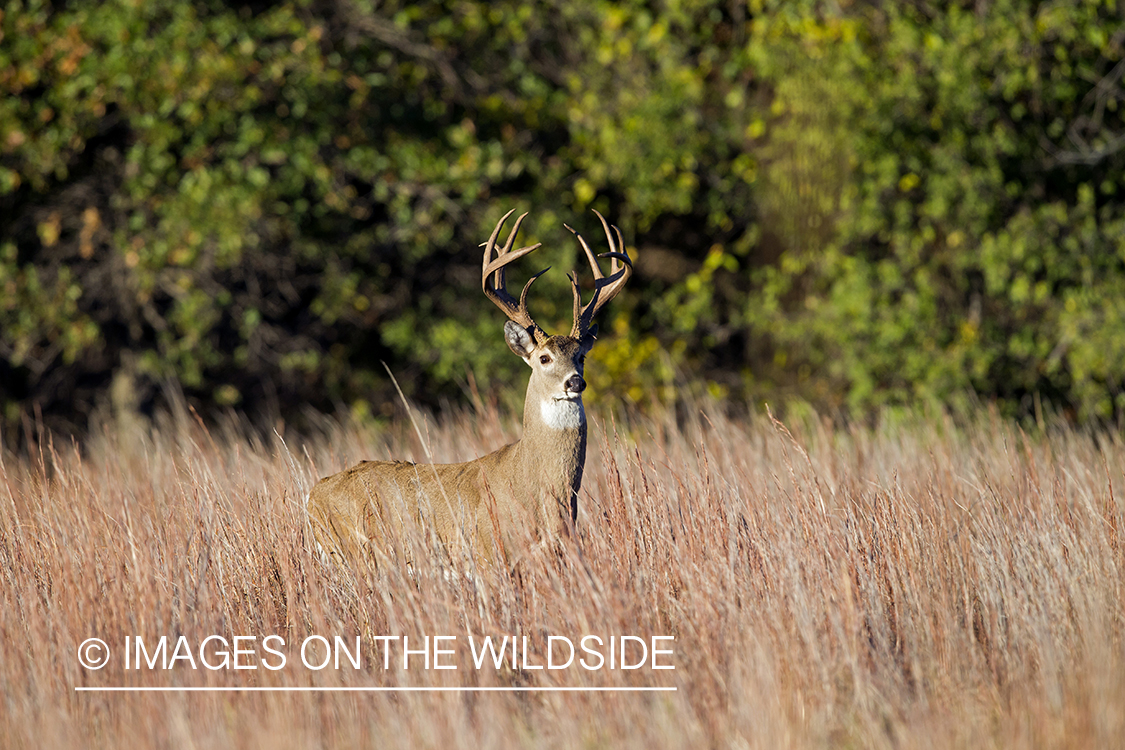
(497, 291)
(605, 288)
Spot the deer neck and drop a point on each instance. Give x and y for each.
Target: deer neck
(553, 446)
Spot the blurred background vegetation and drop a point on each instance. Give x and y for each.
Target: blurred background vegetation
(850, 204)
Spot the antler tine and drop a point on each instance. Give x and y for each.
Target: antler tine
(605, 288)
(505, 255)
(589, 253)
(577, 299)
(497, 291)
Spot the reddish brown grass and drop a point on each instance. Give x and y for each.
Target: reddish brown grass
(912, 585)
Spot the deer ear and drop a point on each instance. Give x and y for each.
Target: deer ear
(519, 340)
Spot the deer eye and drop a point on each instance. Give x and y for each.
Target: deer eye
(544, 360)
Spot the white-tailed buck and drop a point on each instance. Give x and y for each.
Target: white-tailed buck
(526, 490)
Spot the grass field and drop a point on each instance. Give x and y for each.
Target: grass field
(921, 584)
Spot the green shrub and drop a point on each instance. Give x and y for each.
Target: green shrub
(857, 206)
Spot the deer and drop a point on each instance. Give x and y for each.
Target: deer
(526, 491)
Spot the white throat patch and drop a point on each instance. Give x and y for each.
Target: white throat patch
(562, 414)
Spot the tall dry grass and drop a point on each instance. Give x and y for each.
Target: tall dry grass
(913, 585)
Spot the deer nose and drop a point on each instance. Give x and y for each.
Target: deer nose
(575, 384)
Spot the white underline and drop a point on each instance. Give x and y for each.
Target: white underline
(115, 689)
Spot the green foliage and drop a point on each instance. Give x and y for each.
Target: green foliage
(858, 206)
(966, 230)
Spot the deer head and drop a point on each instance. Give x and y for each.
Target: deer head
(556, 362)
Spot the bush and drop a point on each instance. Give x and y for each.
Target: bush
(260, 204)
(941, 183)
